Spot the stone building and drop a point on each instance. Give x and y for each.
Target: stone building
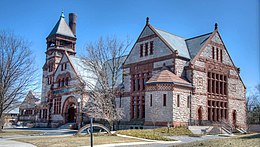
(167, 79)
(173, 80)
(28, 108)
(63, 92)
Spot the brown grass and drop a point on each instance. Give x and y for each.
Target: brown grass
(18, 132)
(156, 134)
(74, 141)
(250, 140)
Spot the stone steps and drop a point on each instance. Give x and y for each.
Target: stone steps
(200, 129)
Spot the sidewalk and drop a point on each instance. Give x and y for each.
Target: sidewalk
(12, 143)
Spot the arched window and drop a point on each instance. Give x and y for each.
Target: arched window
(59, 84)
(67, 81)
(62, 82)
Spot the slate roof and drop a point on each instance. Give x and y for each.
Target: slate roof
(86, 74)
(194, 44)
(176, 42)
(83, 71)
(62, 28)
(167, 77)
(120, 71)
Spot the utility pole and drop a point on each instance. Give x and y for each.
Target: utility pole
(91, 131)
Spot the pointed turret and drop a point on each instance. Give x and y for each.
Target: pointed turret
(62, 28)
(62, 37)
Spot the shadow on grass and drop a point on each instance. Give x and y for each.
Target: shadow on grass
(251, 136)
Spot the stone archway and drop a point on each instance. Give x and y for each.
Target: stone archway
(69, 110)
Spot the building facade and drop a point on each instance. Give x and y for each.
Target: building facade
(167, 80)
(63, 94)
(172, 80)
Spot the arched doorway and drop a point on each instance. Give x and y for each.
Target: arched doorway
(71, 116)
(200, 115)
(234, 118)
(70, 110)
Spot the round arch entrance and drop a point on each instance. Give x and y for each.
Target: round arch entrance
(70, 110)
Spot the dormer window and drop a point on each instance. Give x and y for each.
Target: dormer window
(146, 49)
(63, 66)
(67, 81)
(141, 50)
(151, 47)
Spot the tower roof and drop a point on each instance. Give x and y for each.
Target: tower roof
(62, 28)
(167, 77)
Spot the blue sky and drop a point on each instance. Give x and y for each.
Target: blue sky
(238, 23)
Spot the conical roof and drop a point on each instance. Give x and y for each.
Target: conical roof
(166, 76)
(62, 28)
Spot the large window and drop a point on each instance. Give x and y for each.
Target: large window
(138, 99)
(217, 83)
(57, 105)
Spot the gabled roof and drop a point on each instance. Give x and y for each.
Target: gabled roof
(195, 44)
(30, 100)
(62, 28)
(167, 77)
(176, 42)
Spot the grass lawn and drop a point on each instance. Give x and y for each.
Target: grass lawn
(74, 141)
(18, 132)
(156, 134)
(249, 140)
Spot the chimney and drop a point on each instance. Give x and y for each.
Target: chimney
(72, 22)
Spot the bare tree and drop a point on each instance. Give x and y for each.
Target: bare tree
(253, 106)
(104, 60)
(16, 71)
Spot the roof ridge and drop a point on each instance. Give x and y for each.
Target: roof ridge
(198, 36)
(169, 33)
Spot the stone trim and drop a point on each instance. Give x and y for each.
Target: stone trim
(148, 61)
